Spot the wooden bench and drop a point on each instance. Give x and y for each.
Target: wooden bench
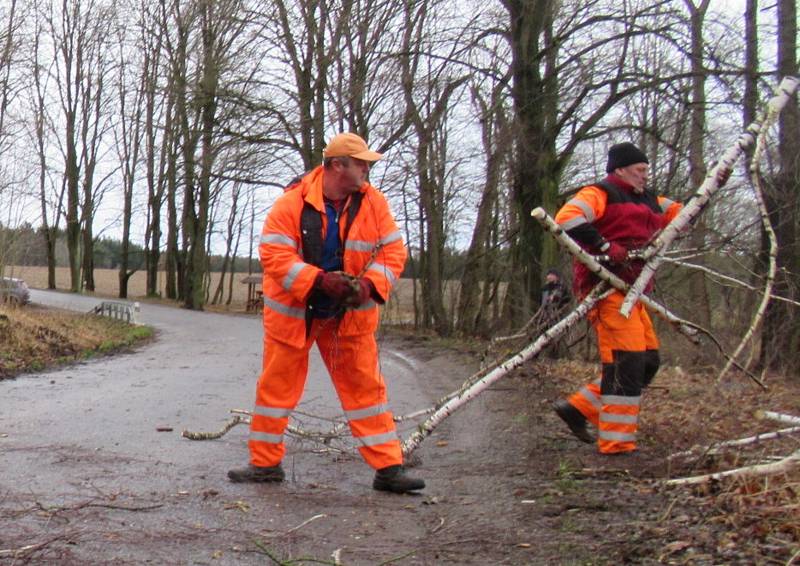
(255, 296)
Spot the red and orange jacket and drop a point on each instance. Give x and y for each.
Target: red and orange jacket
(611, 211)
(373, 246)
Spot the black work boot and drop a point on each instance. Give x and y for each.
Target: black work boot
(257, 474)
(394, 479)
(574, 419)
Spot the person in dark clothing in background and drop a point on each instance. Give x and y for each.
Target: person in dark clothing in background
(555, 295)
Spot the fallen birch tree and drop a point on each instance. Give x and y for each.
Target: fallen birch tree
(653, 253)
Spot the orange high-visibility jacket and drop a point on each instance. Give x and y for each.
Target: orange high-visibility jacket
(609, 211)
(288, 279)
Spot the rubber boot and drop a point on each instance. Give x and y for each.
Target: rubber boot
(257, 474)
(394, 479)
(574, 419)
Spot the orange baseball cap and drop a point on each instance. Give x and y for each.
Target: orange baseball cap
(350, 145)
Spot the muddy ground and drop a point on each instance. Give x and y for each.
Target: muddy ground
(507, 484)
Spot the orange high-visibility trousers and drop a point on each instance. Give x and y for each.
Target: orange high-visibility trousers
(352, 362)
(629, 355)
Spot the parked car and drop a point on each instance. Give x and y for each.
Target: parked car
(14, 291)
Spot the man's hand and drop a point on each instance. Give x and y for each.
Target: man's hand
(616, 253)
(362, 288)
(334, 284)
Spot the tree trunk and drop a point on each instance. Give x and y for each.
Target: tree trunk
(781, 335)
(155, 183)
(698, 289)
(535, 171)
(470, 311)
(71, 173)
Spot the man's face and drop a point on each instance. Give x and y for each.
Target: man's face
(635, 175)
(551, 277)
(352, 174)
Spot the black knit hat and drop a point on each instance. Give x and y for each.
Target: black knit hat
(624, 154)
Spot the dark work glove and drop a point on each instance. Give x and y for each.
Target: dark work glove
(363, 291)
(616, 252)
(334, 284)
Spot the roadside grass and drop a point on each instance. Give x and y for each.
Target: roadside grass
(35, 339)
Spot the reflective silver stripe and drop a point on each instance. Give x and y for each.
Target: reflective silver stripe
(367, 246)
(284, 309)
(620, 400)
(591, 397)
(368, 412)
(573, 223)
(294, 271)
(666, 203)
(266, 437)
(383, 270)
(393, 237)
(366, 306)
(588, 212)
(278, 239)
(274, 412)
(613, 435)
(620, 419)
(359, 245)
(377, 438)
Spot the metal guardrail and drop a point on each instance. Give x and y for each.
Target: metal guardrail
(118, 310)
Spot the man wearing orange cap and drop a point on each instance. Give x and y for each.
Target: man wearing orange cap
(331, 252)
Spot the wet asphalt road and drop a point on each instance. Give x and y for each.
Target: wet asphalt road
(97, 421)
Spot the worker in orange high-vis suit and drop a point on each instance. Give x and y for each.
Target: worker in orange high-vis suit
(330, 252)
(611, 218)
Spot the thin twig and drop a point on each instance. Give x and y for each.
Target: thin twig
(304, 523)
(23, 550)
(232, 422)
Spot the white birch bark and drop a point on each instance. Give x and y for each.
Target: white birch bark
(779, 417)
(781, 466)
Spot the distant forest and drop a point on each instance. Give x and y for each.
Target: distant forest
(25, 245)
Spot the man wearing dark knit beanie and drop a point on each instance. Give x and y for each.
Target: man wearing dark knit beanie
(623, 154)
(609, 218)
